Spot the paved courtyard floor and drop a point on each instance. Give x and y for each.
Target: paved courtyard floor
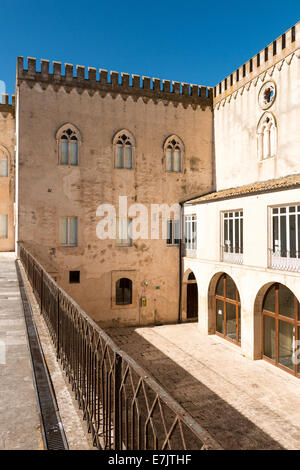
(243, 404)
(19, 418)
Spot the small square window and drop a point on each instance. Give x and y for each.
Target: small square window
(74, 277)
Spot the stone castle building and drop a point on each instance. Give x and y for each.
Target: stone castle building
(229, 155)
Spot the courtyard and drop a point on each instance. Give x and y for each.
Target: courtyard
(243, 404)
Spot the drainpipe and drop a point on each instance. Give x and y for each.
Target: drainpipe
(180, 265)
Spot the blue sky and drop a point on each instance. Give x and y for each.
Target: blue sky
(194, 42)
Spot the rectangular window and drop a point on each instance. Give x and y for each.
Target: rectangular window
(3, 167)
(3, 226)
(69, 231)
(173, 232)
(190, 232)
(285, 231)
(124, 232)
(233, 232)
(74, 277)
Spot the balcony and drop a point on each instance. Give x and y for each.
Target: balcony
(285, 260)
(189, 251)
(234, 257)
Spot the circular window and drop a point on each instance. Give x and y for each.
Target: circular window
(267, 95)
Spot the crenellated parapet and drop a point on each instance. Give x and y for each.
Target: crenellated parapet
(6, 106)
(113, 83)
(283, 49)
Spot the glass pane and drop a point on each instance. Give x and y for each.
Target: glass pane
(169, 160)
(169, 232)
(241, 238)
(231, 321)
(269, 301)
(286, 302)
(236, 241)
(275, 235)
(220, 287)
(269, 337)
(220, 316)
(239, 317)
(119, 156)
(73, 231)
(73, 149)
(297, 355)
(3, 167)
(286, 342)
(128, 157)
(230, 238)
(177, 160)
(283, 235)
(64, 152)
(226, 236)
(177, 232)
(292, 236)
(230, 288)
(3, 226)
(64, 231)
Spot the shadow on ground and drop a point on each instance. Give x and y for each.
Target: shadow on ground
(230, 428)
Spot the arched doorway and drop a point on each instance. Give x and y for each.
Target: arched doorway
(192, 297)
(228, 309)
(281, 328)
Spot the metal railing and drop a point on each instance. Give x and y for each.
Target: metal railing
(284, 260)
(124, 407)
(228, 257)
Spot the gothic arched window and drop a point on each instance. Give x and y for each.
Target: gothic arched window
(68, 139)
(266, 136)
(124, 145)
(173, 149)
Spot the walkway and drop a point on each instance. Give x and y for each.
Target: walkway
(243, 404)
(19, 419)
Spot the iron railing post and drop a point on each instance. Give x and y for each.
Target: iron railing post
(117, 411)
(57, 326)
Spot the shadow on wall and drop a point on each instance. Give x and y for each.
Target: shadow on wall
(224, 423)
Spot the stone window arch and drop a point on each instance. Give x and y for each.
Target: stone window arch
(4, 157)
(124, 291)
(267, 136)
(173, 150)
(124, 146)
(68, 140)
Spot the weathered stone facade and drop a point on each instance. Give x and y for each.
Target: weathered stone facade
(48, 191)
(7, 183)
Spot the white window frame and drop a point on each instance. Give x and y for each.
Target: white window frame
(190, 235)
(124, 232)
(230, 252)
(280, 258)
(68, 243)
(173, 232)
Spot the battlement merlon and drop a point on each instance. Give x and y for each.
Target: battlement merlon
(113, 82)
(6, 106)
(284, 46)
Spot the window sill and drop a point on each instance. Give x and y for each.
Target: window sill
(128, 169)
(68, 246)
(67, 165)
